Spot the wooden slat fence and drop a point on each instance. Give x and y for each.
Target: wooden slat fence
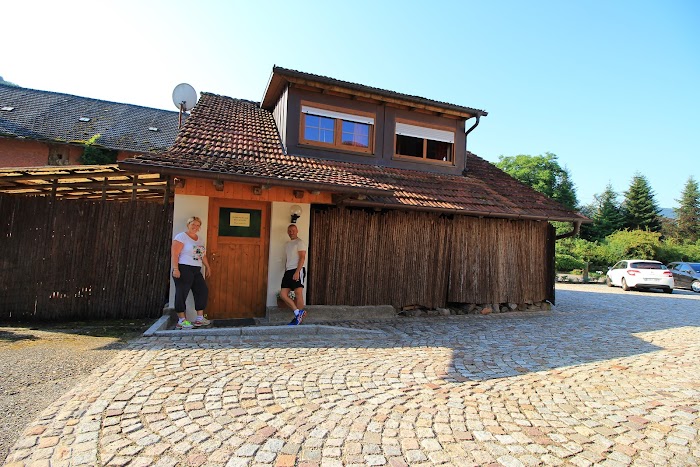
(361, 257)
(77, 259)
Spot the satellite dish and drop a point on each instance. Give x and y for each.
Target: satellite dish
(184, 97)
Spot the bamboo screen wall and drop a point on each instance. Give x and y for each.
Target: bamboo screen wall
(360, 257)
(76, 259)
(498, 261)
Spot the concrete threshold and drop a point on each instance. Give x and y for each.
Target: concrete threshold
(316, 323)
(159, 329)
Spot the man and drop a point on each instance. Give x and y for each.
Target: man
(294, 274)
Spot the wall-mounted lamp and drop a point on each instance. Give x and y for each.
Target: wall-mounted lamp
(295, 211)
(219, 185)
(179, 182)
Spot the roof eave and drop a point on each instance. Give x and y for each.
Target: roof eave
(281, 77)
(76, 143)
(134, 166)
(272, 91)
(466, 212)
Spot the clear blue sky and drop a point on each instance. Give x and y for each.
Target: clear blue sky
(611, 87)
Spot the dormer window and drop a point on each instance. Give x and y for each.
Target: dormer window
(336, 128)
(426, 143)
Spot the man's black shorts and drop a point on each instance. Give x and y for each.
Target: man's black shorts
(288, 281)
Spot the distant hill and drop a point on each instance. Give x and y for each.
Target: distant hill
(6, 83)
(668, 212)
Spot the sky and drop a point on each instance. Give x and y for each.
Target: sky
(611, 87)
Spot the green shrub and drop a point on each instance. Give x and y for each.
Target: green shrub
(564, 262)
(573, 253)
(669, 252)
(626, 244)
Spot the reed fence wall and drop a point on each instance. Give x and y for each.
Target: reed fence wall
(77, 259)
(362, 257)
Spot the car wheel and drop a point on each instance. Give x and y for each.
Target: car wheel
(668, 290)
(624, 284)
(608, 282)
(695, 286)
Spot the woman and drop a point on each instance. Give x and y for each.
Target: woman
(187, 255)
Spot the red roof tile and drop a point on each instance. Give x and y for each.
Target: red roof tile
(235, 139)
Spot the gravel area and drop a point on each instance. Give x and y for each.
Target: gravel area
(41, 364)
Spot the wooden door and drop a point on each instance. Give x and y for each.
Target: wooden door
(237, 239)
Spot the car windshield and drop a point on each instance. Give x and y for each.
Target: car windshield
(642, 265)
(695, 266)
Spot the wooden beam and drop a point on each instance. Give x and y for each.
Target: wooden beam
(48, 175)
(110, 185)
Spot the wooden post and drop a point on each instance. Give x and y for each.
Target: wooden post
(104, 189)
(54, 187)
(166, 196)
(134, 185)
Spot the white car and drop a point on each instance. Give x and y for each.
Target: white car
(640, 274)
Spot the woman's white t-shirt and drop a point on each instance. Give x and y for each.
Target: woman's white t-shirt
(193, 250)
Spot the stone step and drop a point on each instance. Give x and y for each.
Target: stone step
(327, 313)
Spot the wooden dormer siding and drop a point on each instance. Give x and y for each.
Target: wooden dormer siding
(288, 116)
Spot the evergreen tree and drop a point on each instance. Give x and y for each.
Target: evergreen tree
(606, 214)
(639, 208)
(588, 231)
(688, 213)
(566, 192)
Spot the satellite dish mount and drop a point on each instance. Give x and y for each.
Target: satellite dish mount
(184, 98)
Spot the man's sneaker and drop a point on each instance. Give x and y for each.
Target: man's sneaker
(293, 322)
(184, 325)
(300, 316)
(201, 322)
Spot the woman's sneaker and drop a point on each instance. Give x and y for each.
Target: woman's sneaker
(300, 316)
(201, 322)
(183, 325)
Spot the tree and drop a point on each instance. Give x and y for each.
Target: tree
(688, 212)
(606, 214)
(97, 155)
(639, 208)
(542, 173)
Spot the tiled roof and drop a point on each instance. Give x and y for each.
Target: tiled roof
(285, 72)
(234, 139)
(52, 116)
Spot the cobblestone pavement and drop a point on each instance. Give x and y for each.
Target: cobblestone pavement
(607, 377)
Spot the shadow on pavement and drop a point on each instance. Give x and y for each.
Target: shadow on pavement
(585, 327)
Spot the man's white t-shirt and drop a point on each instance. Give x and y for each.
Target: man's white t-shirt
(292, 249)
(192, 251)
